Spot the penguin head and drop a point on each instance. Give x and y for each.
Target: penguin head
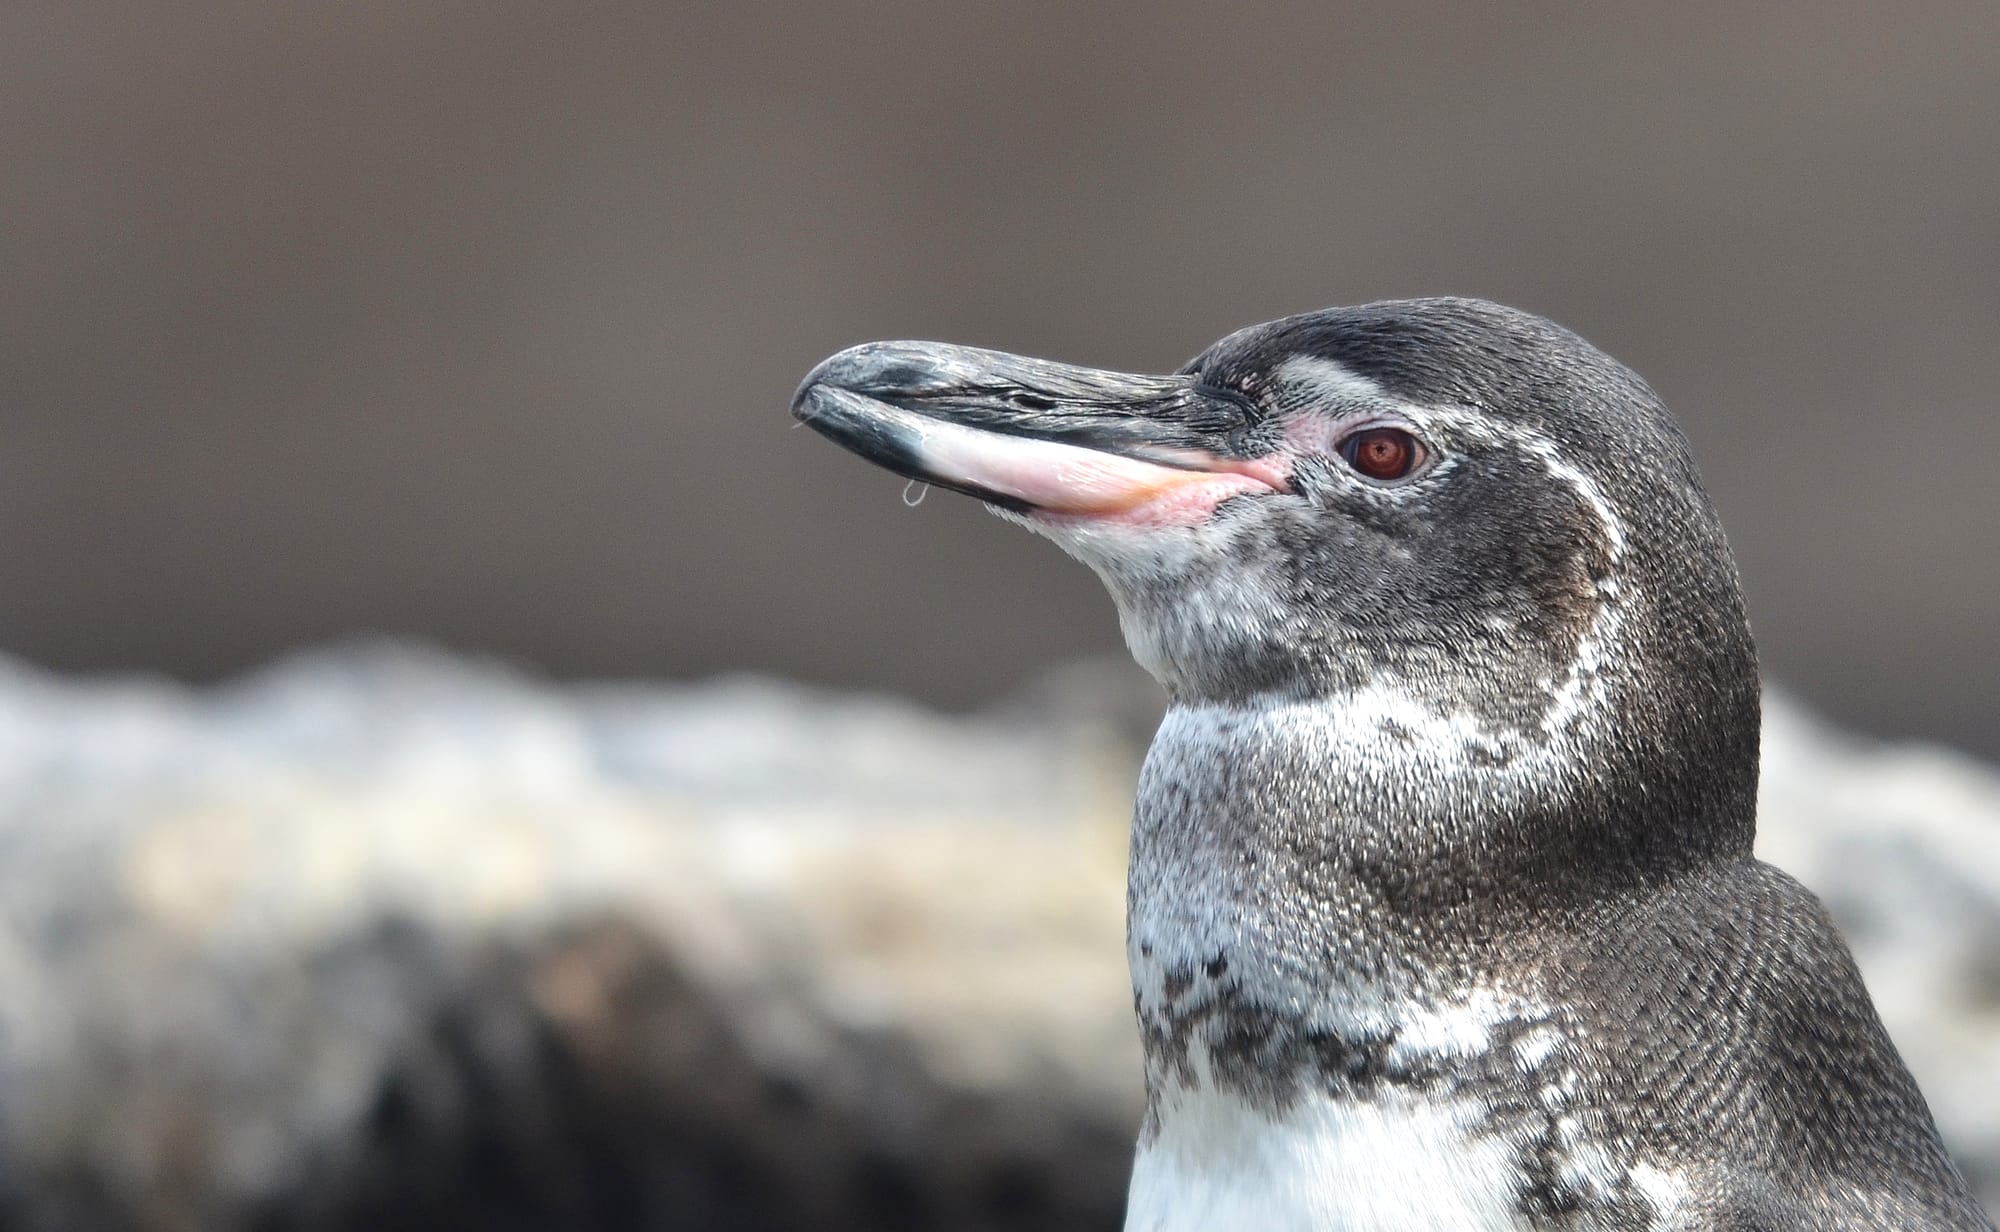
(1458, 525)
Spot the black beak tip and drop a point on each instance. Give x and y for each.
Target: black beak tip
(857, 423)
(882, 370)
(805, 399)
(853, 421)
(836, 372)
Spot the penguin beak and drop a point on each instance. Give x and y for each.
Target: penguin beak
(1035, 437)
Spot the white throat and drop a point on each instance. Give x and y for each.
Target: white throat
(1395, 1164)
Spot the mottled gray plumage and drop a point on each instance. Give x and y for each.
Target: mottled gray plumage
(1442, 905)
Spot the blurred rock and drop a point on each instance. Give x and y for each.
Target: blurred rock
(385, 938)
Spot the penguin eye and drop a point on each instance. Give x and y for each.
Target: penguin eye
(1383, 454)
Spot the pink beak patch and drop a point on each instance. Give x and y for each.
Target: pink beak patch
(1070, 482)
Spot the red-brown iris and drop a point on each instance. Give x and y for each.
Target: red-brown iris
(1383, 454)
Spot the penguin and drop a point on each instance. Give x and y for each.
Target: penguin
(1441, 908)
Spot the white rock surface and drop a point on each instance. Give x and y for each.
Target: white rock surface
(384, 937)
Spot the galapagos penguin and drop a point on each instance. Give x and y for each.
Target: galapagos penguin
(1442, 912)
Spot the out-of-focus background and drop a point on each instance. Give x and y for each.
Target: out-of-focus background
(480, 320)
(476, 325)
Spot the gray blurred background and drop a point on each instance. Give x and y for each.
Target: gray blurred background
(476, 324)
(479, 322)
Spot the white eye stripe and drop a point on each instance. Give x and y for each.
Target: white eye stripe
(1577, 693)
(1544, 450)
(1335, 386)
(1329, 383)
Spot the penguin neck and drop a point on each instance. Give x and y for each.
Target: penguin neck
(1330, 859)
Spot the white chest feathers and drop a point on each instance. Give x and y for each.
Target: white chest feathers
(1389, 1164)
